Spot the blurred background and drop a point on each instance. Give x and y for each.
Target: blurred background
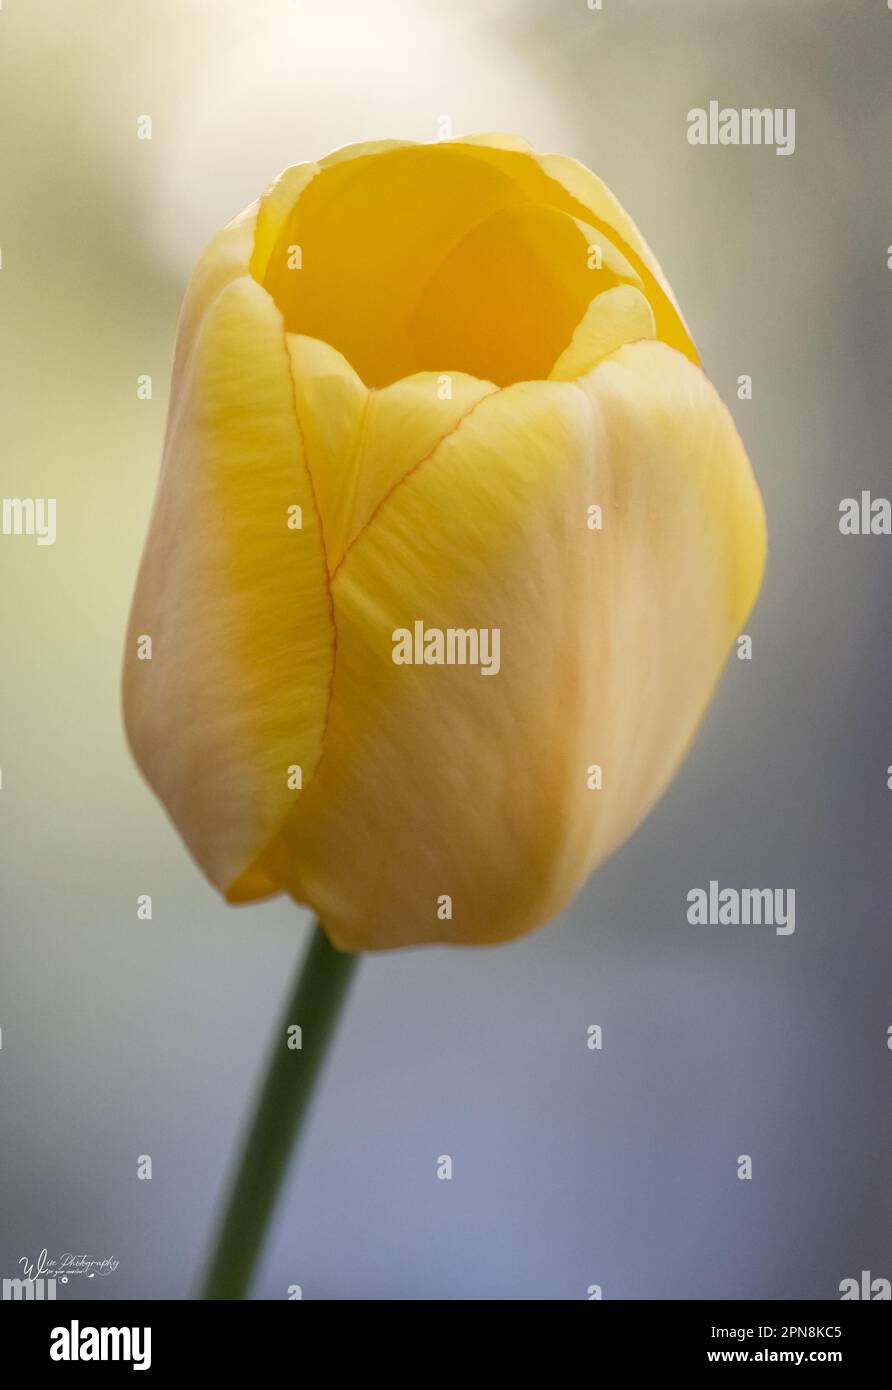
(123, 1038)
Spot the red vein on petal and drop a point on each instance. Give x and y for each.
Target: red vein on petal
(490, 395)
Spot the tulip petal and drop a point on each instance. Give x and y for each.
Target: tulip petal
(615, 317)
(359, 443)
(496, 140)
(361, 149)
(226, 258)
(281, 198)
(566, 184)
(592, 193)
(391, 251)
(236, 602)
(372, 229)
(274, 210)
(528, 273)
(439, 780)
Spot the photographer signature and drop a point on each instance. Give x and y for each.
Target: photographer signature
(65, 1266)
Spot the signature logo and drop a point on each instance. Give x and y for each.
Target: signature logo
(66, 1266)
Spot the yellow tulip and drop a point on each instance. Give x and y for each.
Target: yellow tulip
(406, 380)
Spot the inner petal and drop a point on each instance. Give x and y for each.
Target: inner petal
(505, 302)
(371, 231)
(427, 258)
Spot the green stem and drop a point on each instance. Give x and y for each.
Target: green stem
(314, 1003)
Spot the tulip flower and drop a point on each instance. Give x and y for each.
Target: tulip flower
(407, 381)
(435, 417)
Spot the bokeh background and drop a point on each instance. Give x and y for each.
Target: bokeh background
(122, 1038)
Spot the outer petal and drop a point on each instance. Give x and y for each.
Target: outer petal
(440, 780)
(226, 258)
(359, 443)
(236, 603)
